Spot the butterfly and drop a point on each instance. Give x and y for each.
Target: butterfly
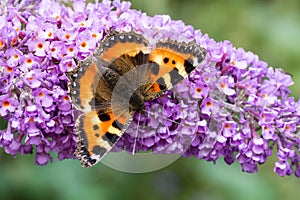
(111, 85)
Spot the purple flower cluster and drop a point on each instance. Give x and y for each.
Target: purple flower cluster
(233, 106)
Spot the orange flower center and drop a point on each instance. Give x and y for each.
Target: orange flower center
(14, 41)
(208, 103)
(83, 44)
(5, 104)
(66, 98)
(9, 69)
(67, 36)
(69, 64)
(223, 85)
(40, 45)
(227, 126)
(287, 127)
(30, 78)
(29, 61)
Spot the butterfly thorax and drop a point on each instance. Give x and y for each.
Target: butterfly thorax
(136, 102)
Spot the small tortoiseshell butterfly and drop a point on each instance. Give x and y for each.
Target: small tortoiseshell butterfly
(109, 87)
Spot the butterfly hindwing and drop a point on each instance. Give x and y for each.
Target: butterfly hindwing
(97, 131)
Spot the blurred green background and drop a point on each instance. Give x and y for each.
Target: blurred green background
(269, 28)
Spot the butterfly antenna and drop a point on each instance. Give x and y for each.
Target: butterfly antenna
(136, 134)
(162, 117)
